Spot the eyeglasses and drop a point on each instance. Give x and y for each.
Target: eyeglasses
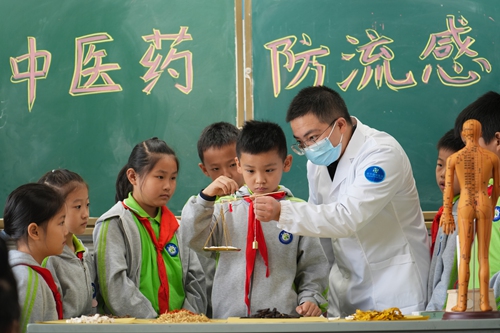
(298, 147)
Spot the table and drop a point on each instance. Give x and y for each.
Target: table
(431, 325)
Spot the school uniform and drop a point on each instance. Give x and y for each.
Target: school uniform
(297, 269)
(444, 267)
(209, 265)
(371, 211)
(495, 285)
(35, 296)
(443, 273)
(494, 255)
(74, 274)
(494, 250)
(127, 266)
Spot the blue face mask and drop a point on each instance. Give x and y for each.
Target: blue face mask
(323, 152)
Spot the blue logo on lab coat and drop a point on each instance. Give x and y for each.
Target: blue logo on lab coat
(172, 249)
(497, 214)
(375, 174)
(285, 237)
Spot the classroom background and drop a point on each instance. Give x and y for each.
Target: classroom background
(82, 82)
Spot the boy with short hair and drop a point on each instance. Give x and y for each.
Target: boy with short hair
(217, 152)
(443, 271)
(274, 269)
(447, 145)
(486, 109)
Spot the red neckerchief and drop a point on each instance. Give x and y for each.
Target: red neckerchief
(168, 226)
(435, 228)
(80, 255)
(251, 253)
(47, 276)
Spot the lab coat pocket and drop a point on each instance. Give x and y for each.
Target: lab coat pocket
(397, 283)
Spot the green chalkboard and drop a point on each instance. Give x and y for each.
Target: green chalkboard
(81, 82)
(428, 60)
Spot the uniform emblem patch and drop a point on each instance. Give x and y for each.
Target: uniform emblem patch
(375, 174)
(172, 249)
(285, 237)
(497, 214)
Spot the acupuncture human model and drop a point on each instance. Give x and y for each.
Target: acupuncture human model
(474, 166)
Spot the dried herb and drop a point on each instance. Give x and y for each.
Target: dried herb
(268, 313)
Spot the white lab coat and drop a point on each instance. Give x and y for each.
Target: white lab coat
(377, 228)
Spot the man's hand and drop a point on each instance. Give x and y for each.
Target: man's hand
(221, 186)
(308, 309)
(266, 208)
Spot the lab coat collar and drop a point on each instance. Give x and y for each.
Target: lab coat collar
(352, 149)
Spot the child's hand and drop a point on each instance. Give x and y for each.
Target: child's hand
(308, 309)
(266, 208)
(221, 186)
(447, 223)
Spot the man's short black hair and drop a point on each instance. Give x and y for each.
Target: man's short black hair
(323, 102)
(485, 109)
(216, 135)
(257, 137)
(450, 142)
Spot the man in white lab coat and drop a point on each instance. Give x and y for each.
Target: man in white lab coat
(362, 195)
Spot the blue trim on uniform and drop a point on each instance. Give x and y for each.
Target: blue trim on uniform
(207, 197)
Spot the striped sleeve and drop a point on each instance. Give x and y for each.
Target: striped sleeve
(113, 251)
(29, 297)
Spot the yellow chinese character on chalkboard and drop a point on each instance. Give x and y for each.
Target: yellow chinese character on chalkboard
(376, 57)
(442, 45)
(89, 64)
(156, 64)
(32, 72)
(308, 60)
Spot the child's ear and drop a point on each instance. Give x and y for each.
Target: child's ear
(288, 163)
(203, 169)
(132, 176)
(497, 140)
(34, 231)
(238, 165)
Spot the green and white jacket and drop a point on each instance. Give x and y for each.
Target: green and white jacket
(35, 297)
(75, 279)
(118, 258)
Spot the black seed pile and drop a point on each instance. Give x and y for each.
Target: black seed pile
(268, 313)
